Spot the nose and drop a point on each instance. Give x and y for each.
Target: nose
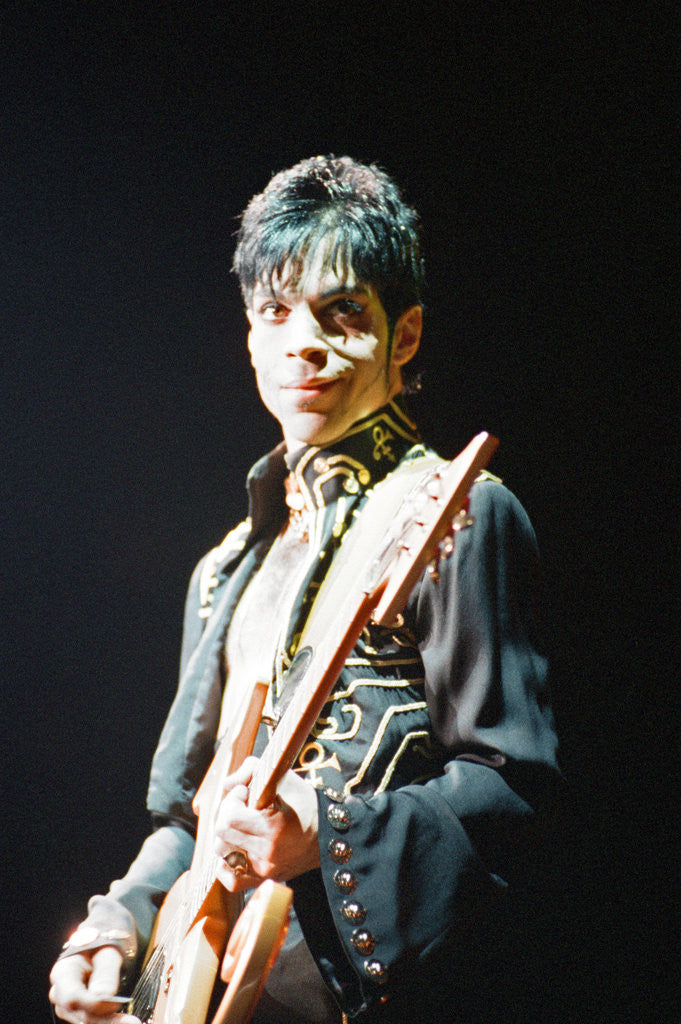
(306, 337)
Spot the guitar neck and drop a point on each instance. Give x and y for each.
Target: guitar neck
(320, 670)
(398, 532)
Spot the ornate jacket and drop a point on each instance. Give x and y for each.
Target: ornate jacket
(432, 757)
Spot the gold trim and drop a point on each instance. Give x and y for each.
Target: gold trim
(390, 770)
(362, 471)
(378, 739)
(324, 478)
(386, 418)
(402, 414)
(310, 766)
(370, 662)
(484, 474)
(298, 473)
(233, 542)
(327, 728)
(385, 684)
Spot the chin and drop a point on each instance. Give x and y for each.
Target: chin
(317, 433)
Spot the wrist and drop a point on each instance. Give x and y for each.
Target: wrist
(87, 938)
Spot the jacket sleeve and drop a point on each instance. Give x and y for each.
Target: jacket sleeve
(406, 872)
(128, 910)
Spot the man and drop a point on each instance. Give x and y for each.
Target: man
(411, 806)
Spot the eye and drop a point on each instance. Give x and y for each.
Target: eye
(272, 311)
(344, 307)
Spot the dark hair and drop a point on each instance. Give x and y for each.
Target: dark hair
(359, 207)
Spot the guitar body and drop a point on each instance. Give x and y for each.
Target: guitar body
(181, 969)
(253, 947)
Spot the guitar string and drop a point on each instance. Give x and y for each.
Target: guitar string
(146, 989)
(145, 992)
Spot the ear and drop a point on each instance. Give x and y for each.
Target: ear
(407, 335)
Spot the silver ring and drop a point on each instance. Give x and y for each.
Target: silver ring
(237, 861)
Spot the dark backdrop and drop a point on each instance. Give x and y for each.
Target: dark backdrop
(535, 149)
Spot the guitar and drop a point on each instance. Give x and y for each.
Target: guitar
(408, 521)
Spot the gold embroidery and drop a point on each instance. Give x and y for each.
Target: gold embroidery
(408, 431)
(385, 781)
(300, 469)
(327, 728)
(377, 740)
(381, 446)
(311, 759)
(369, 662)
(363, 474)
(233, 542)
(355, 473)
(385, 684)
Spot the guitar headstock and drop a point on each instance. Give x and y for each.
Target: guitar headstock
(424, 528)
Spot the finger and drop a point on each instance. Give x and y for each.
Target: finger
(83, 988)
(85, 1017)
(68, 978)
(238, 794)
(242, 776)
(234, 815)
(106, 971)
(68, 1015)
(233, 806)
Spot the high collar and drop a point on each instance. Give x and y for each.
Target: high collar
(356, 462)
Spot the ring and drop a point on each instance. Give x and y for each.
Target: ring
(237, 861)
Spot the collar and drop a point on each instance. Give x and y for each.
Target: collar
(352, 465)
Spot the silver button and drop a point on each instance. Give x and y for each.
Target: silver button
(338, 817)
(377, 971)
(353, 911)
(340, 851)
(363, 941)
(345, 881)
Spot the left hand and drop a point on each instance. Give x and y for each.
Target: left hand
(279, 841)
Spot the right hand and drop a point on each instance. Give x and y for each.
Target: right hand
(83, 984)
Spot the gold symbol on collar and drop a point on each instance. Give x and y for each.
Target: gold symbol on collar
(381, 446)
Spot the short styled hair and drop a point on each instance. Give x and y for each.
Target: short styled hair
(357, 207)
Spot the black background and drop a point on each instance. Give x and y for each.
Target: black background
(536, 148)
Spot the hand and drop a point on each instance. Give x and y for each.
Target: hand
(82, 987)
(279, 841)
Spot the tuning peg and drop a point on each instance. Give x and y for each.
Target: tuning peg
(432, 569)
(433, 489)
(462, 520)
(447, 546)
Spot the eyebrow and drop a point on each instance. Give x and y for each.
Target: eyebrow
(341, 289)
(358, 289)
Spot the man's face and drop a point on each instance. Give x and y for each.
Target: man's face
(320, 353)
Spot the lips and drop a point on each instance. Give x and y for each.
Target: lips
(314, 386)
